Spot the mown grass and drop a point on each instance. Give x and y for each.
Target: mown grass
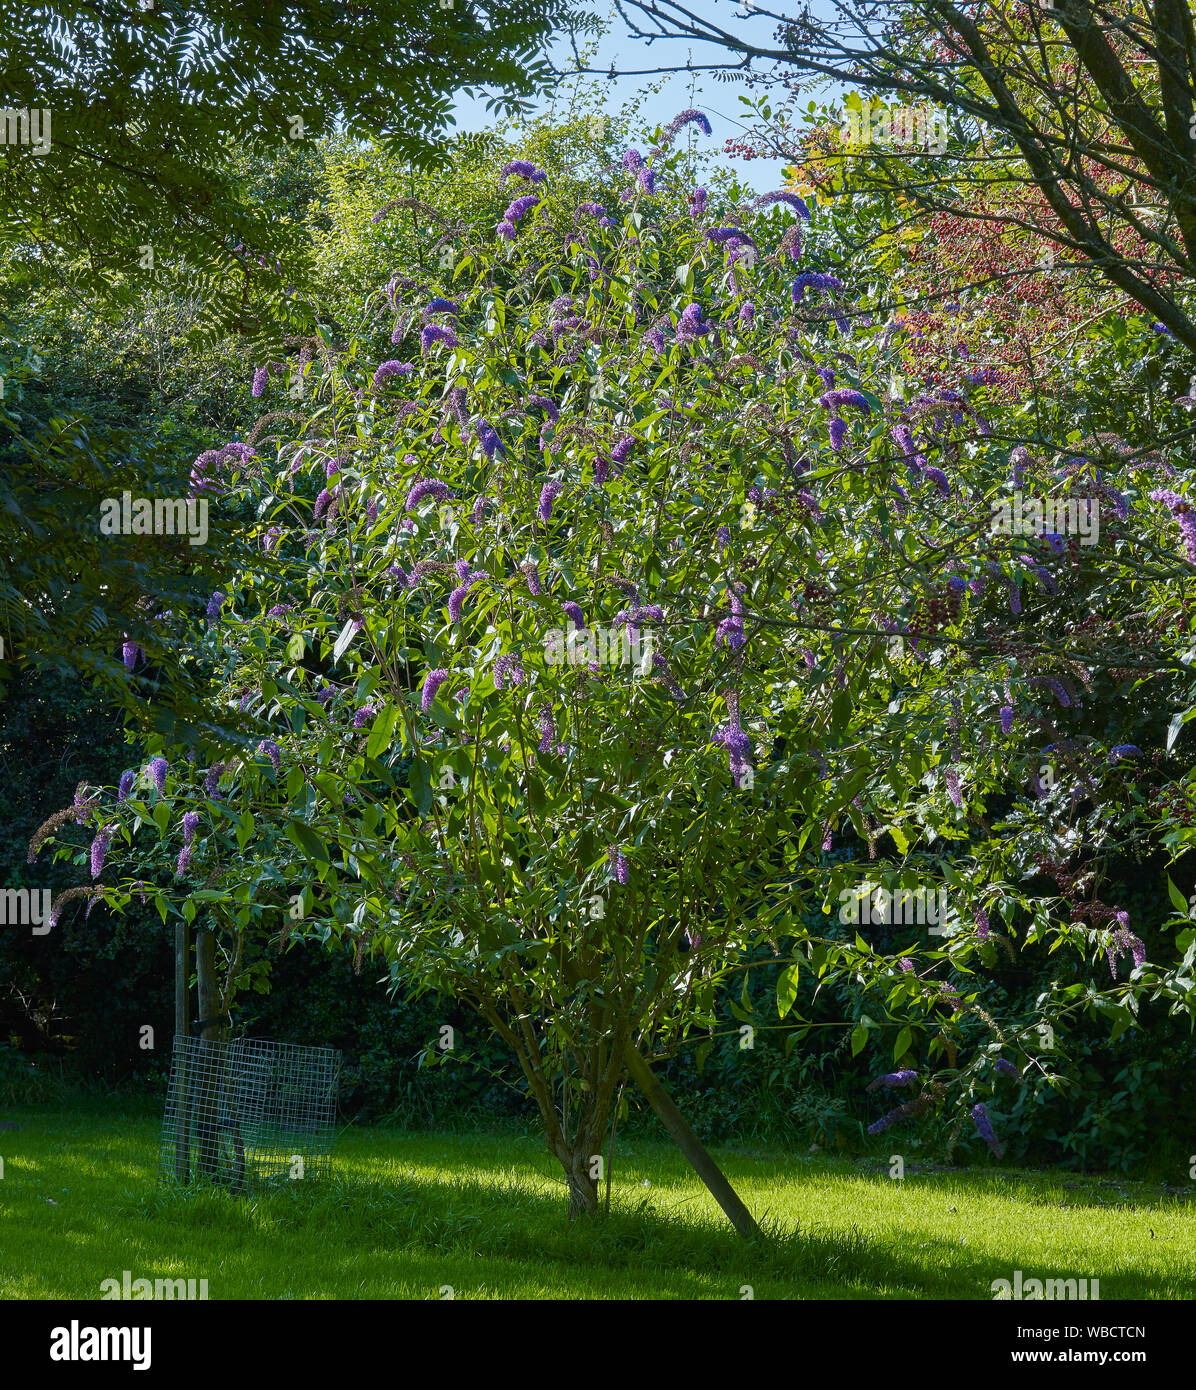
(408, 1214)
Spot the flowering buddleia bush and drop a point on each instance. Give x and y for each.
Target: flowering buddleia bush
(613, 618)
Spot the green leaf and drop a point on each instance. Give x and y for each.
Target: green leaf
(859, 1037)
(787, 989)
(1177, 898)
(1177, 724)
(841, 711)
(347, 633)
(419, 783)
(382, 731)
(904, 1040)
(308, 841)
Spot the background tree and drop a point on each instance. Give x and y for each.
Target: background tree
(1073, 120)
(132, 134)
(147, 99)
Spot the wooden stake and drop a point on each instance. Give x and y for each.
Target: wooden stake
(689, 1144)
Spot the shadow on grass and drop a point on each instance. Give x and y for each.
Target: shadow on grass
(515, 1221)
(348, 1231)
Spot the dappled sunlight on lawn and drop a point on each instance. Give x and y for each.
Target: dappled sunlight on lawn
(409, 1215)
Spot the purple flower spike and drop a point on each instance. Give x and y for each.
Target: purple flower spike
(1006, 718)
(519, 207)
(619, 866)
(548, 494)
(739, 746)
(951, 777)
(99, 848)
(1006, 1068)
(190, 824)
(211, 782)
(1124, 750)
(731, 237)
(1124, 940)
(790, 200)
(1184, 515)
(691, 324)
(457, 599)
(273, 752)
(525, 169)
(886, 1121)
(835, 400)
(576, 616)
(158, 767)
(896, 1078)
(388, 369)
(547, 730)
(813, 280)
(546, 405)
(690, 116)
(985, 1130)
(838, 431)
(508, 668)
(730, 631)
(433, 333)
(426, 487)
(489, 440)
(126, 786)
(939, 479)
(432, 683)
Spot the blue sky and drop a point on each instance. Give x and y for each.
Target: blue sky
(720, 100)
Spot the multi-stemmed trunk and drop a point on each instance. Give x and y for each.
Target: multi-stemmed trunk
(578, 1145)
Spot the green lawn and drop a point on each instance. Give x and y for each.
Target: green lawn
(407, 1214)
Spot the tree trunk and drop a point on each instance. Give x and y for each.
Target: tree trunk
(689, 1144)
(583, 1190)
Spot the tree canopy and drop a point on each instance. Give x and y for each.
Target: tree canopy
(620, 604)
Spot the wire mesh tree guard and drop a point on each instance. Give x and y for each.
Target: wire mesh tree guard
(248, 1111)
